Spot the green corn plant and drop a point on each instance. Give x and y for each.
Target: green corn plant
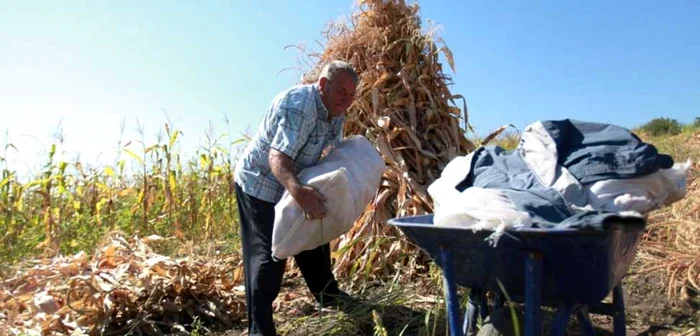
(169, 181)
(8, 200)
(45, 184)
(143, 190)
(149, 188)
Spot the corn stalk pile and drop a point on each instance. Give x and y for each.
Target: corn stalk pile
(405, 107)
(125, 288)
(672, 243)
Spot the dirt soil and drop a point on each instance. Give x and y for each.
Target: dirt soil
(649, 313)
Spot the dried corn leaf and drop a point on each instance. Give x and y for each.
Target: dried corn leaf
(116, 290)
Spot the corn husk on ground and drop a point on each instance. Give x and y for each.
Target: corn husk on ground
(125, 288)
(405, 107)
(671, 245)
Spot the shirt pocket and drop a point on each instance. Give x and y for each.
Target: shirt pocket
(312, 148)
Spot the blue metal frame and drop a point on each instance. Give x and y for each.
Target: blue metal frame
(561, 319)
(533, 289)
(619, 307)
(585, 320)
(451, 292)
(533, 315)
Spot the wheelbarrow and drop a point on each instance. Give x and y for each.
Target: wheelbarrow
(572, 270)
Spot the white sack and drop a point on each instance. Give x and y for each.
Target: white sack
(348, 177)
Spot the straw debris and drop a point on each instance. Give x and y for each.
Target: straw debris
(671, 244)
(125, 288)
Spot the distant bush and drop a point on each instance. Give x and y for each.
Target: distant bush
(662, 126)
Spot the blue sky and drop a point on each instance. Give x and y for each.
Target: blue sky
(88, 65)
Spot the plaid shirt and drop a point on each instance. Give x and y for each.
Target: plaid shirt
(297, 124)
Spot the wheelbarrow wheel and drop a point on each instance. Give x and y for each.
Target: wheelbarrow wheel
(498, 323)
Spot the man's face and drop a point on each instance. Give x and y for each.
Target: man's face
(338, 95)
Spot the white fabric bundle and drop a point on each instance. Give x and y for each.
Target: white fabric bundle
(641, 194)
(474, 208)
(348, 177)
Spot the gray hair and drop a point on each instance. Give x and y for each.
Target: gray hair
(335, 67)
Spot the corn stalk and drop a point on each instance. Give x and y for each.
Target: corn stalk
(405, 107)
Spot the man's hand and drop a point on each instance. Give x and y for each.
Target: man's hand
(311, 201)
(308, 198)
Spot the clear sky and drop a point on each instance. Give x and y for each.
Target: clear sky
(88, 65)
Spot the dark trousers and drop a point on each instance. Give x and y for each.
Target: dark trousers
(263, 274)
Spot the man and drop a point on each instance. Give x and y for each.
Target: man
(301, 122)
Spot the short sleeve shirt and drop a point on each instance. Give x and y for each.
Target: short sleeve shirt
(296, 124)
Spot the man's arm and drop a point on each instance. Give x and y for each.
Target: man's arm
(308, 198)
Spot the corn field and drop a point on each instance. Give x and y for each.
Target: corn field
(150, 189)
